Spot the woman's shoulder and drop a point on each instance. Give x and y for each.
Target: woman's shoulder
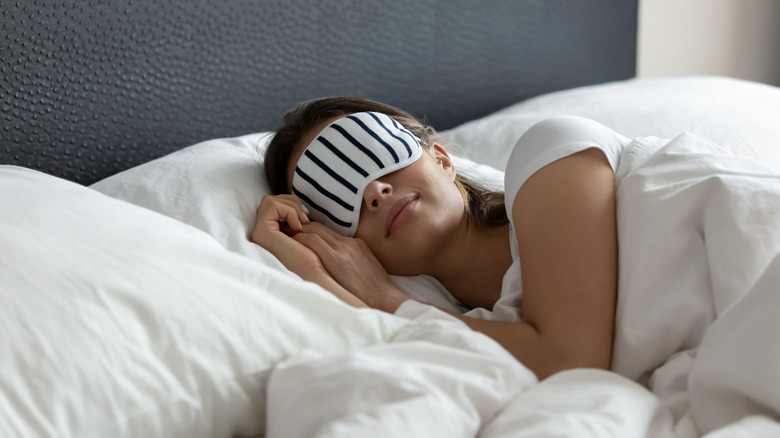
(564, 130)
(555, 138)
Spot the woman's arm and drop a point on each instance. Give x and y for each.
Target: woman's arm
(568, 254)
(565, 226)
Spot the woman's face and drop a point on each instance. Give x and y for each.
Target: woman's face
(406, 215)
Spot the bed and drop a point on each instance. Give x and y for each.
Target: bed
(133, 304)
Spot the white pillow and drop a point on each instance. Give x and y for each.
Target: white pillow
(118, 321)
(739, 115)
(217, 185)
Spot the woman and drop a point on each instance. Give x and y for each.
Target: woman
(423, 218)
(697, 314)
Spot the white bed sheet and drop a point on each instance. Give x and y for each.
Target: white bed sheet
(127, 323)
(698, 280)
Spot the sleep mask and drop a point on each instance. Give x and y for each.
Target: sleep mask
(336, 167)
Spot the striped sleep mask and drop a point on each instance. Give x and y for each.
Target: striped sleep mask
(334, 170)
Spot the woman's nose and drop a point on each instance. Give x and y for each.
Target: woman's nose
(375, 194)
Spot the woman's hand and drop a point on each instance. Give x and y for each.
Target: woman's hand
(279, 220)
(352, 264)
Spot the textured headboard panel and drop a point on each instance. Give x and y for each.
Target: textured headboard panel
(91, 87)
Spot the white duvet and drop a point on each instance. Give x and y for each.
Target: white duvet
(118, 320)
(699, 284)
(698, 315)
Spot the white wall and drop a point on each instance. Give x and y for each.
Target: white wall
(737, 38)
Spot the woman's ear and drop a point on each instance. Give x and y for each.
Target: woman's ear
(443, 159)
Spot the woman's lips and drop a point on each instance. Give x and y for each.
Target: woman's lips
(400, 213)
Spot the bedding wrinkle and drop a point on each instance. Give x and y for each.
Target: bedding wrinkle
(403, 387)
(736, 374)
(706, 221)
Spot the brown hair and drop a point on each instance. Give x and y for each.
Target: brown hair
(484, 207)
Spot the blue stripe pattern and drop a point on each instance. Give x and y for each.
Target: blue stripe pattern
(324, 191)
(329, 171)
(403, 130)
(376, 137)
(343, 157)
(357, 144)
(406, 145)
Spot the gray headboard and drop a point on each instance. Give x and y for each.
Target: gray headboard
(91, 87)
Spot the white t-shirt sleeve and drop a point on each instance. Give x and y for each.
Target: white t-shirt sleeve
(553, 139)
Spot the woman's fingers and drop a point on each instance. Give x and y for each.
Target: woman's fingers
(285, 208)
(315, 243)
(274, 211)
(338, 253)
(327, 244)
(330, 245)
(292, 216)
(328, 235)
(300, 209)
